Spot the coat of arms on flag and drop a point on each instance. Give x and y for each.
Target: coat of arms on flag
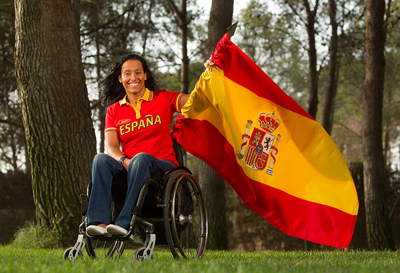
(261, 143)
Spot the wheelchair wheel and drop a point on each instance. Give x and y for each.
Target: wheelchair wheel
(185, 218)
(140, 254)
(109, 249)
(72, 254)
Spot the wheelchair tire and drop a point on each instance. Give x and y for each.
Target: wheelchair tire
(109, 249)
(185, 218)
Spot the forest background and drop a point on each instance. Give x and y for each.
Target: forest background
(314, 50)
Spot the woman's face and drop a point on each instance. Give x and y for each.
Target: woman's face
(133, 77)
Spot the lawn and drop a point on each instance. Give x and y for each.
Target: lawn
(14, 259)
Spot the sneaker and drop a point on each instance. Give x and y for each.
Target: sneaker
(93, 230)
(116, 230)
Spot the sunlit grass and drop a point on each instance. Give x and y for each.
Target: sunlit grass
(14, 259)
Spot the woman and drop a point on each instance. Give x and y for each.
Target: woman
(140, 118)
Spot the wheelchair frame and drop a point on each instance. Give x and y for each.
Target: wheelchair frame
(184, 220)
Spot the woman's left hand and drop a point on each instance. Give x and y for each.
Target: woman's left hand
(126, 163)
(209, 64)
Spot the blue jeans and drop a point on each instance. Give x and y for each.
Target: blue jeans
(104, 168)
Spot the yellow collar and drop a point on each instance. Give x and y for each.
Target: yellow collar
(147, 96)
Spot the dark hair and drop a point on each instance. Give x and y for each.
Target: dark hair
(112, 90)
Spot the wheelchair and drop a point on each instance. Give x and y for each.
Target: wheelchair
(170, 210)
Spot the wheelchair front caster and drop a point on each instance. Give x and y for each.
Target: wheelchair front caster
(146, 252)
(143, 254)
(72, 254)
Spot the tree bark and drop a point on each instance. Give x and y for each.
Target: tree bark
(312, 56)
(56, 110)
(377, 221)
(211, 183)
(327, 118)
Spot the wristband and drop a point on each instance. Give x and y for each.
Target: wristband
(121, 160)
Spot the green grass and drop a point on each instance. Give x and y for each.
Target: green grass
(32, 236)
(13, 259)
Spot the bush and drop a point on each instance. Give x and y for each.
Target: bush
(32, 236)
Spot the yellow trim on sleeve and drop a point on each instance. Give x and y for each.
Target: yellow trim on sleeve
(110, 129)
(178, 103)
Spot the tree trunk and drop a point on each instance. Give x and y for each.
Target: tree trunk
(312, 56)
(56, 109)
(377, 222)
(12, 142)
(211, 183)
(327, 118)
(185, 59)
(101, 107)
(213, 188)
(386, 150)
(183, 25)
(220, 19)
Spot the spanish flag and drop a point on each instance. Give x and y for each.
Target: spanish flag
(278, 159)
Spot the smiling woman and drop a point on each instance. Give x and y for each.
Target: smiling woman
(140, 118)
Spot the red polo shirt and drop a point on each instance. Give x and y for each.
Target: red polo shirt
(145, 128)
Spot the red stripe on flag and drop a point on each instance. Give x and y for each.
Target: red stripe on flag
(303, 219)
(291, 215)
(245, 76)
